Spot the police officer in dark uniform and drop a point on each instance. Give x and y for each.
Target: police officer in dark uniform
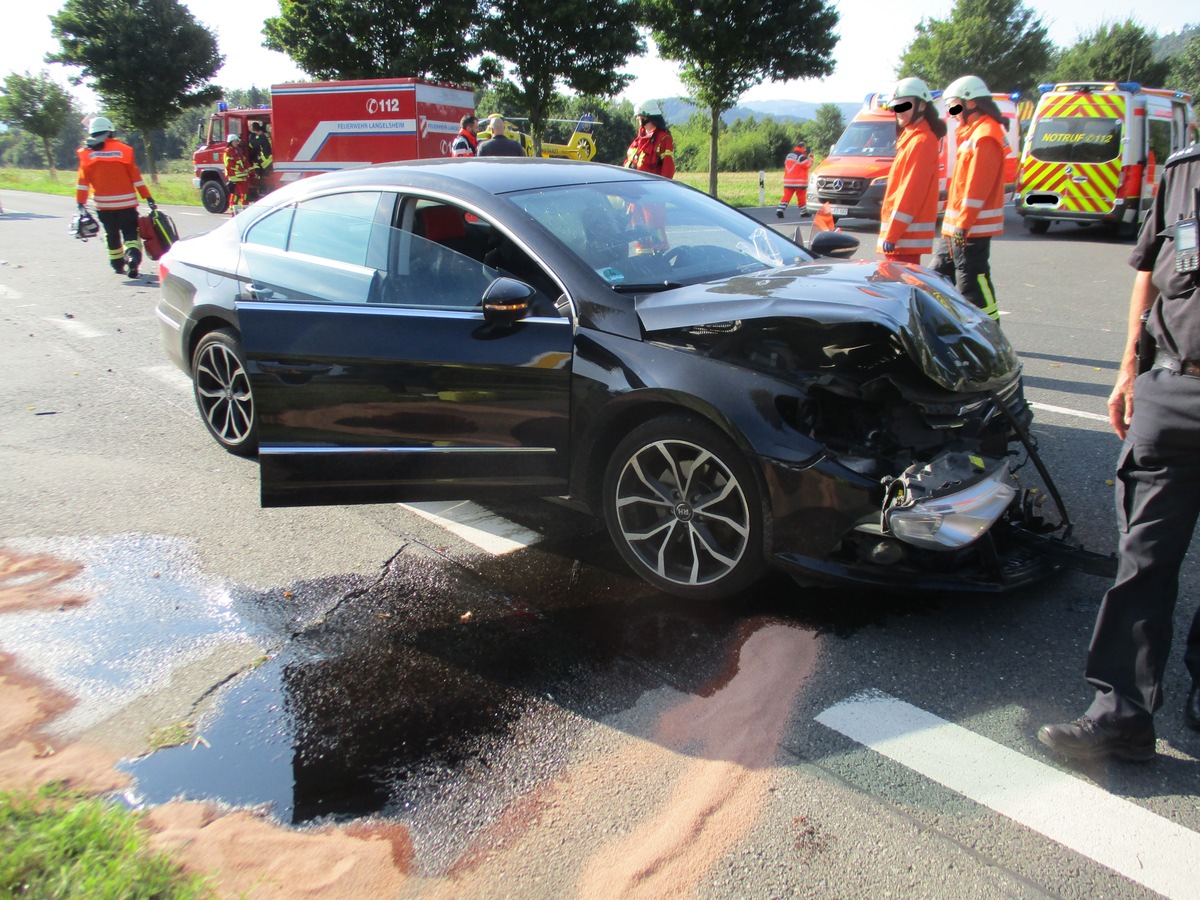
(1157, 413)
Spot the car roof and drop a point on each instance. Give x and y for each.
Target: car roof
(498, 175)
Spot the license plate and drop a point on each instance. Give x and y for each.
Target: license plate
(839, 210)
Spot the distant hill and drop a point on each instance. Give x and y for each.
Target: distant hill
(677, 110)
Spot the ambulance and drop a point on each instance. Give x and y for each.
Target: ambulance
(852, 179)
(325, 126)
(1094, 151)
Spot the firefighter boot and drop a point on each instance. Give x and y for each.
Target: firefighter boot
(133, 259)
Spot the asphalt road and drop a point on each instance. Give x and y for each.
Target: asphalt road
(540, 722)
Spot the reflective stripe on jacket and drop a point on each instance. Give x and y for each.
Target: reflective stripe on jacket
(795, 170)
(237, 164)
(111, 175)
(465, 144)
(652, 152)
(976, 201)
(908, 218)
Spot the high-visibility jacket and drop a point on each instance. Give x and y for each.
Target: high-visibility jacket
(111, 175)
(908, 218)
(795, 169)
(258, 149)
(976, 201)
(237, 164)
(652, 151)
(465, 144)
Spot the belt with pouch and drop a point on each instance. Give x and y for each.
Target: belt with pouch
(1178, 366)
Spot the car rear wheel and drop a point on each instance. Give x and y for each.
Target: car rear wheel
(684, 510)
(1038, 226)
(222, 389)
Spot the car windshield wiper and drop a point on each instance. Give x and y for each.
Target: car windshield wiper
(651, 287)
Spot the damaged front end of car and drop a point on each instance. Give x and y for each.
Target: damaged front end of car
(928, 476)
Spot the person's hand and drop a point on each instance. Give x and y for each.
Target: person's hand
(80, 207)
(889, 247)
(1120, 402)
(150, 202)
(959, 238)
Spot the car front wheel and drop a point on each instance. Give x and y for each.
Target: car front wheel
(222, 390)
(684, 510)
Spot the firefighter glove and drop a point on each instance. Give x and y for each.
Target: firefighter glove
(889, 247)
(150, 202)
(81, 207)
(959, 237)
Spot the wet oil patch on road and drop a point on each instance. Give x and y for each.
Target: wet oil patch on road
(438, 690)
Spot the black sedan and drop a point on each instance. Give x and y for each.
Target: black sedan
(727, 399)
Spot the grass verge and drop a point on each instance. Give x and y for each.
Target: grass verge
(735, 188)
(60, 844)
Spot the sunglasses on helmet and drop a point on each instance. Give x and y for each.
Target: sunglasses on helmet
(902, 107)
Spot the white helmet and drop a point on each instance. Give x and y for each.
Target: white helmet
(99, 125)
(233, 136)
(969, 87)
(649, 108)
(911, 87)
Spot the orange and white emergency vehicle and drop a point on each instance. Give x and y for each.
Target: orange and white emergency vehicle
(852, 179)
(1094, 149)
(325, 126)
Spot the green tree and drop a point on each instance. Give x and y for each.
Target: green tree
(147, 59)
(1185, 68)
(1001, 41)
(822, 131)
(727, 47)
(38, 105)
(547, 43)
(345, 39)
(1113, 52)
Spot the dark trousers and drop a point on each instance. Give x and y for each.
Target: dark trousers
(970, 268)
(1158, 501)
(120, 233)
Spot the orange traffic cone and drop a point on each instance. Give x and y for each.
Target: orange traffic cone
(823, 220)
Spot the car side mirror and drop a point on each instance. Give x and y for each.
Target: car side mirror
(506, 301)
(837, 244)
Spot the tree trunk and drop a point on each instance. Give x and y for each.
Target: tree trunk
(151, 162)
(714, 131)
(49, 158)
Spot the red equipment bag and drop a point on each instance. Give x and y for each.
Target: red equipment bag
(157, 232)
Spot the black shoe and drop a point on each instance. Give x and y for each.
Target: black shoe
(1086, 739)
(1191, 709)
(133, 272)
(119, 268)
(779, 213)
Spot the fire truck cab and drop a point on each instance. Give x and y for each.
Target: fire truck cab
(208, 160)
(1093, 152)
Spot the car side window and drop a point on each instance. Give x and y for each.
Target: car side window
(272, 229)
(336, 226)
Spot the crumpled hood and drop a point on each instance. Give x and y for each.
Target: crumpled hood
(949, 339)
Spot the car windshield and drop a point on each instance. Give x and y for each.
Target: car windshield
(867, 139)
(655, 235)
(1076, 139)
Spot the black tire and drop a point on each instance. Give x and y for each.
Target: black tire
(214, 196)
(1037, 226)
(221, 386)
(684, 510)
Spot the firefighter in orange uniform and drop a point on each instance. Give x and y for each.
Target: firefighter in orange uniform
(795, 179)
(908, 218)
(975, 206)
(109, 173)
(652, 150)
(238, 170)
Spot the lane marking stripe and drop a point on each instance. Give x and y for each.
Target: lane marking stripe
(1069, 412)
(476, 525)
(77, 328)
(1123, 836)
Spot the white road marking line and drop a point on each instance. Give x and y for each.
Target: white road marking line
(1070, 412)
(7, 293)
(169, 375)
(471, 522)
(1123, 836)
(77, 328)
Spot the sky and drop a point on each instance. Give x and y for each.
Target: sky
(873, 36)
